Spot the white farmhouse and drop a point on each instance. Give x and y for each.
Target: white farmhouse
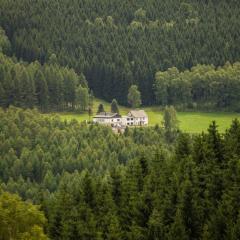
(113, 119)
(135, 118)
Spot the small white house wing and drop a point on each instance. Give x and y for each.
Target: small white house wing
(107, 118)
(137, 118)
(133, 118)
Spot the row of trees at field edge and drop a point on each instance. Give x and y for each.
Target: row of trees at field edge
(134, 100)
(53, 87)
(94, 184)
(202, 86)
(48, 87)
(114, 107)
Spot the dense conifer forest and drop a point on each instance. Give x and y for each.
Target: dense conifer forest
(48, 86)
(94, 184)
(119, 43)
(65, 180)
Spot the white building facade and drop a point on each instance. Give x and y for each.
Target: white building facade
(136, 118)
(108, 118)
(133, 118)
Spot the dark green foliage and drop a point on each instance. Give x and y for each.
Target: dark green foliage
(5, 45)
(100, 108)
(204, 86)
(183, 147)
(94, 184)
(117, 44)
(114, 106)
(41, 89)
(170, 123)
(47, 87)
(82, 97)
(215, 142)
(28, 91)
(148, 183)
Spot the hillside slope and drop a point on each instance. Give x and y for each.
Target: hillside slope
(118, 43)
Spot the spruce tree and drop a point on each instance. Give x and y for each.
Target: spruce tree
(178, 230)
(170, 123)
(41, 90)
(2, 94)
(82, 98)
(100, 108)
(114, 106)
(27, 90)
(214, 141)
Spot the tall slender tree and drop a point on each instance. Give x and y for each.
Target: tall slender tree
(134, 97)
(100, 108)
(41, 89)
(114, 106)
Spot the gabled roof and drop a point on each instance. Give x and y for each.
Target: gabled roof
(107, 115)
(137, 113)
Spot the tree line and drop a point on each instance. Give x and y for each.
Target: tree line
(48, 86)
(121, 43)
(204, 86)
(94, 184)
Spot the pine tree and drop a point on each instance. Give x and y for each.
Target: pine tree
(114, 229)
(155, 230)
(215, 142)
(100, 108)
(8, 86)
(2, 94)
(178, 230)
(41, 90)
(89, 190)
(27, 90)
(236, 229)
(170, 123)
(114, 106)
(91, 99)
(183, 148)
(82, 97)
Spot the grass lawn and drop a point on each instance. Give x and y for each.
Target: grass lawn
(192, 122)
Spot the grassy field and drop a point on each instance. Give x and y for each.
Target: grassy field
(192, 122)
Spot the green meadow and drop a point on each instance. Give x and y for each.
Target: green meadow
(192, 122)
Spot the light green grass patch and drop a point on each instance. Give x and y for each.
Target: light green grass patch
(194, 122)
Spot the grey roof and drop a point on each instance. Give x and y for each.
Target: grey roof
(137, 113)
(107, 115)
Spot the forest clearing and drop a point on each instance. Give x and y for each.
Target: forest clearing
(191, 122)
(80, 81)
